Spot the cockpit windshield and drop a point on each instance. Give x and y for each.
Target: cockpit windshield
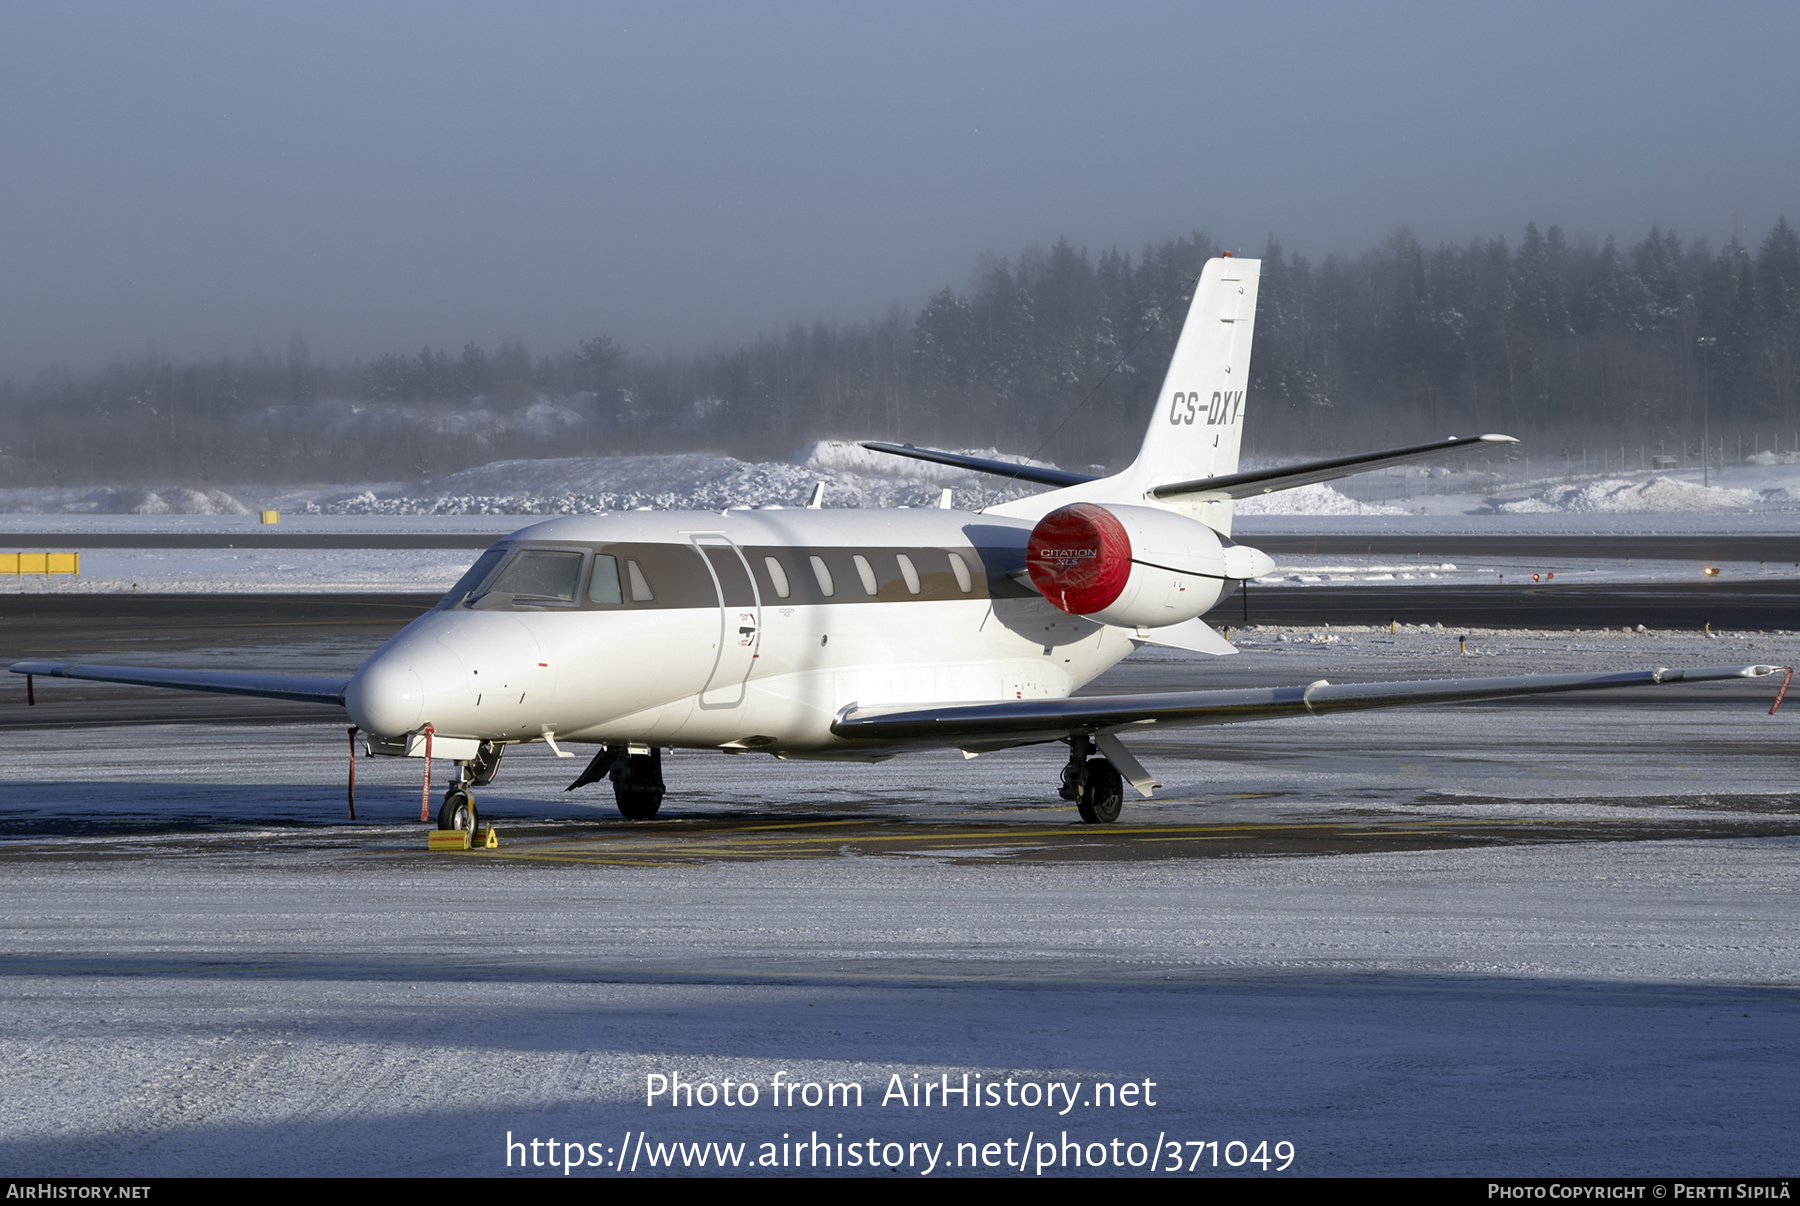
(553, 574)
(532, 577)
(582, 577)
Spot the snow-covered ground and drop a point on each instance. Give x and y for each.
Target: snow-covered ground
(208, 972)
(284, 571)
(1748, 498)
(1540, 1011)
(495, 499)
(1301, 569)
(856, 477)
(852, 475)
(331, 1000)
(254, 571)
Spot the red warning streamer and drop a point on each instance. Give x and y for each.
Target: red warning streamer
(425, 791)
(1782, 694)
(352, 788)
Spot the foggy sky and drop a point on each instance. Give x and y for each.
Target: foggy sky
(205, 178)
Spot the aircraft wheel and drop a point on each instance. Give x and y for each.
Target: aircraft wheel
(638, 790)
(1102, 795)
(458, 810)
(637, 801)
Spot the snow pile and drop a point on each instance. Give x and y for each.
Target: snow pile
(848, 456)
(173, 500)
(1615, 496)
(1765, 458)
(854, 477)
(680, 482)
(1316, 499)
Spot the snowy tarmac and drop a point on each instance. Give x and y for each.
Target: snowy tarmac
(382, 568)
(1557, 939)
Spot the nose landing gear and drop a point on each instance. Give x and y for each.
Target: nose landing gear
(1093, 784)
(482, 768)
(458, 809)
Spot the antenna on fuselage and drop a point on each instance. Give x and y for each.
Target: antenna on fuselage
(818, 496)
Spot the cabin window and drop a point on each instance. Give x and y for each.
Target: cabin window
(777, 575)
(603, 586)
(961, 569)
(866, 572)
(640, 586)
(823, 573)
(908, 572)
(541, 574)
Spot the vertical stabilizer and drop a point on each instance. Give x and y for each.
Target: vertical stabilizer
(1198, 421)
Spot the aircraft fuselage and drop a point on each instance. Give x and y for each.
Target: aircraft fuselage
(749, 630)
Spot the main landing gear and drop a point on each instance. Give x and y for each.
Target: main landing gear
(637, 780)
(1093, 783)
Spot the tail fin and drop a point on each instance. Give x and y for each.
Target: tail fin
(1189, 459)
(1198, 423)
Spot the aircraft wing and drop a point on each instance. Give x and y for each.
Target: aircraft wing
(1020, 721)
(1285, 477)
(1248, 484)
(269, 686)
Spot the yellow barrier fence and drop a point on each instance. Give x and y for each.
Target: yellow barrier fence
(20, 564)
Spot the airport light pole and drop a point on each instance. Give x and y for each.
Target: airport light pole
(1706, 345)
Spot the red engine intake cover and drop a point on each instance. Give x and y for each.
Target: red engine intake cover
(1079, 558)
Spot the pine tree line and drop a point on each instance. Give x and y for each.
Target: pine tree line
(1055, 352)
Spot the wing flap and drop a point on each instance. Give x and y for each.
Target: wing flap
(298, 688)
(1045, 719)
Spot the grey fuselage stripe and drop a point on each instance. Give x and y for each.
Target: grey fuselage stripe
(679, 577)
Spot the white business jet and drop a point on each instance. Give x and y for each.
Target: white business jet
(859, 634)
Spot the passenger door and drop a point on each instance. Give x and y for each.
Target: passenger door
(740, 619)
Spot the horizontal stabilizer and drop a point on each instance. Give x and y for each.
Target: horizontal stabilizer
(1026, 473)
(296, 687)
(1266, 481)
(1048, 719)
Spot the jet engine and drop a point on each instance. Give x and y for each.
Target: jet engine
(1137, 567)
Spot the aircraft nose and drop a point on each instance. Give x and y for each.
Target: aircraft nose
(386, 697)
